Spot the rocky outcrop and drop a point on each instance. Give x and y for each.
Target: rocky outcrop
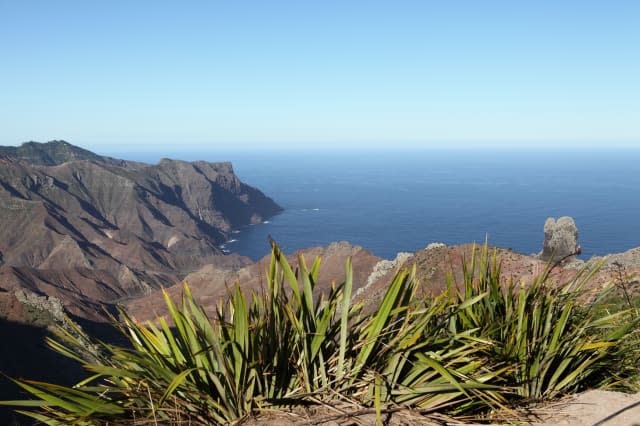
(560, 239)
(49, 304)
(90, 229)
(629, 259)
(435, 246)
(382, 269)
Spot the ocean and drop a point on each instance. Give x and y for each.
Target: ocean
(395, 201)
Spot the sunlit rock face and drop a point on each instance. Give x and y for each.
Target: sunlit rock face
(560, 239)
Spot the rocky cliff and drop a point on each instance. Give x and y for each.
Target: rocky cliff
(89, 229)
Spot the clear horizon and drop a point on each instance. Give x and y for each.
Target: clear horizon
(334, 75)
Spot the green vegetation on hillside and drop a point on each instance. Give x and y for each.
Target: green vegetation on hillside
(50, 153)
(470, 351)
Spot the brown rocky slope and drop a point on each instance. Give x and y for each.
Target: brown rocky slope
(211, 283)
(89, 229)
(372, 275)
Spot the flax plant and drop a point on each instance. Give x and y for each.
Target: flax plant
(545, 331)
(284, 346)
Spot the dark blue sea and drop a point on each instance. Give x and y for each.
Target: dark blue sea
(401, 201)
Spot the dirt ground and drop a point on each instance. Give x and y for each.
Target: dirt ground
(592, 408)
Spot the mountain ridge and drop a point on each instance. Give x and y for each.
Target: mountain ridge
(92, 229)
(53, 153)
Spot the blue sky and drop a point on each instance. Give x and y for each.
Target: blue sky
(135, 75)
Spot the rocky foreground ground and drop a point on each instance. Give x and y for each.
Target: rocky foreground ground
(591, 408)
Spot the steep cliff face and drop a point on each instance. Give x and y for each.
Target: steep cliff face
(104, 229)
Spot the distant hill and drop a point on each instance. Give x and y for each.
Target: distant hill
(89, 229)
(53, 153)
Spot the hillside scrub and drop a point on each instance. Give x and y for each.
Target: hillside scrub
(473, 351)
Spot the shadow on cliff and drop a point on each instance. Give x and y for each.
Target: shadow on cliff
(25, 355)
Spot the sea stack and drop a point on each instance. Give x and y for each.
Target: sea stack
(560, 239)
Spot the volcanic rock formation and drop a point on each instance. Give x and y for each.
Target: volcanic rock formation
(560, 239)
